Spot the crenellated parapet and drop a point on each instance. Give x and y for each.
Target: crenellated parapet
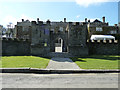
(14, 39)
(103, 41)
(103, 47)
(15, 47)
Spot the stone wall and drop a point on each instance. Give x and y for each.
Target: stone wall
(40, 39)
(77, 40)
(23, 29)
(77, 35)
(15, 47)
(78, 51)
(104, 47)
(40, 50)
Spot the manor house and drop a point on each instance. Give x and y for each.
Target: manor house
(63, 38)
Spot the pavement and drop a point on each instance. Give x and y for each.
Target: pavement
(59, 66)
(62, 64)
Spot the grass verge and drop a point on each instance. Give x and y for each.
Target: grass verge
(98, 62)
(24, 62)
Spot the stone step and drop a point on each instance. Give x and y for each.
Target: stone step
(54, 54)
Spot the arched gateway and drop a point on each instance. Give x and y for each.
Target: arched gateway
(59, 45)
(59, 42)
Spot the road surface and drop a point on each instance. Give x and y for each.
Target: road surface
(59, 80)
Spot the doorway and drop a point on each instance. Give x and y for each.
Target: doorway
(59, 45)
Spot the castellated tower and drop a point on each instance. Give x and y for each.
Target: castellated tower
(58, 37)
(40, 38)
(78, 38)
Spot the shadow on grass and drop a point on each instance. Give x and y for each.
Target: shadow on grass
(77, 59)
(102, 57)
(41, 56)
(105, 57)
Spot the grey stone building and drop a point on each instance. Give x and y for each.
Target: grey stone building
(98, 27)
(65, 39)
(58, 37)
(23, 29)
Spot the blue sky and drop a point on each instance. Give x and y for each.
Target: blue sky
(56, 11)
(119, 12)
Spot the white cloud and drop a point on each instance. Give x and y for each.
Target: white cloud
(86, 3)
(9, 19)
(37, 0)
(26, 18)
(78, 16)
(91, 20)
(81, 2)
(14, 20)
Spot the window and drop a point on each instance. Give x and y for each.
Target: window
(36, 31)
(79, 33)
(45, 44)
(23, 28)
(99, 29)
(46, 31)
(113, 32)
(61, 29)
(52, 29)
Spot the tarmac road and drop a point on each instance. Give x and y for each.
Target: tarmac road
(13, 80)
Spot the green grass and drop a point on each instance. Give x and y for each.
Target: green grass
(98, 62)
(89, 62)
(24, 62)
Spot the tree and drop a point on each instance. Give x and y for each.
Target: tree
(2, 30)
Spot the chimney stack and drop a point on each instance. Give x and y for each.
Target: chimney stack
(103, 19)
(115, 25)
(89, 21)
(48, 22)
(37, 19)
(85, 19)
(22, 20)
(64, 19)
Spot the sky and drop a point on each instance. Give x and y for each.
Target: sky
(55, 10)
(119, 12)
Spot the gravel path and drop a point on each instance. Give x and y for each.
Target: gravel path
(62, 64)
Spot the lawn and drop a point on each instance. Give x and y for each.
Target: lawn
(98, 62)
(24, 62)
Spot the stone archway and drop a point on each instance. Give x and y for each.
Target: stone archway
(60, 40)
(59, 45)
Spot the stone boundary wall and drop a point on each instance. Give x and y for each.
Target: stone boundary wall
(15, 47)
(21, 47)
(40, 51)
(78, 51)
(104, 47)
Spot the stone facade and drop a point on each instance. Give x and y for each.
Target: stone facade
(23, 29)
(77, 39)
(15, 47)
(68, 39)
(67, 35)
(102, 28)
(101, 47)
